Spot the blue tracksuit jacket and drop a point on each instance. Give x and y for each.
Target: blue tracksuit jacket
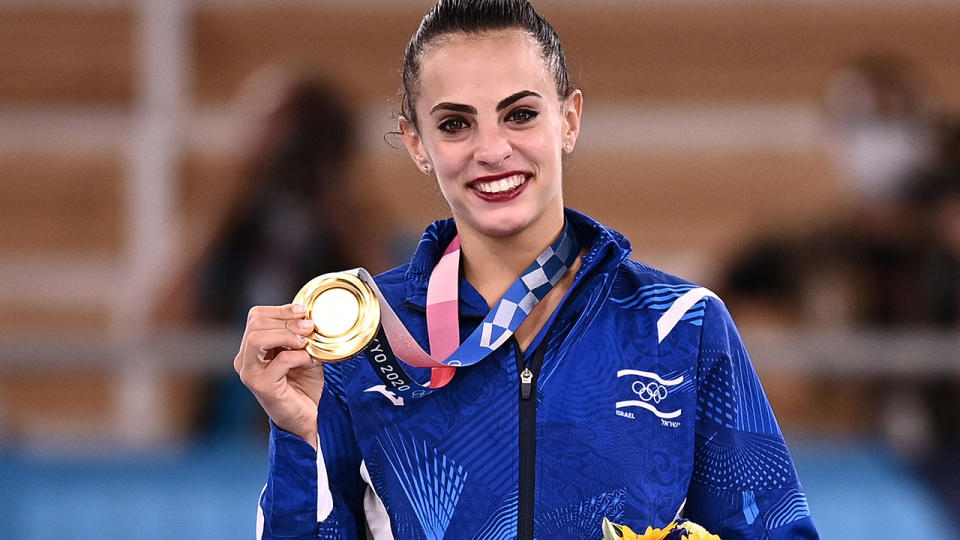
(642, 397)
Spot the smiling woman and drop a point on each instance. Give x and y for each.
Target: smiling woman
(495, 144)
(572, 383)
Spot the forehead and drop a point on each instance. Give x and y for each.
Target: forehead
(482, 67)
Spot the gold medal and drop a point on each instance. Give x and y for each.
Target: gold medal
(345, 314)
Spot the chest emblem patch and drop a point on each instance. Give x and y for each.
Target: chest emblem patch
(649, 391)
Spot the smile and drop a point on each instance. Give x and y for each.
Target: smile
(500, 185)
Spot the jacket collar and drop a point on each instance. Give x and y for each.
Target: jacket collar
(606, 248)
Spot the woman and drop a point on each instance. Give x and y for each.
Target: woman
(625, 393)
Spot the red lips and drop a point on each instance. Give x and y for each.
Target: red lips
(500, 187)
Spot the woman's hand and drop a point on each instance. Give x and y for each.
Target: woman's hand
(273, 364)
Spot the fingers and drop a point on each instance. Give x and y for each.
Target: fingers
(285, 361)
(279, 317)
(285, 312)
(254, 361)
(269, 328)
(303, 327)
(263, 341)
(269, 381)
(258, 345)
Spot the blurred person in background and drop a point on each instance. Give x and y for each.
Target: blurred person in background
(861, 267)
(936, 198)
(291, 220)
(891, 261)
(891, 145)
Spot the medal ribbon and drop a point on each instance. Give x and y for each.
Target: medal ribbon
(443, 322)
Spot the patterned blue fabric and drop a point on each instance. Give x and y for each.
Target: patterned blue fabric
(626, 428)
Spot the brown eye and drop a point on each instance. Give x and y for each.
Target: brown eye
(522, 116)
(453, 125)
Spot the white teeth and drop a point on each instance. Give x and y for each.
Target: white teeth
(501, 185)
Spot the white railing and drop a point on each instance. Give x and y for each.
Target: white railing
(813, 352)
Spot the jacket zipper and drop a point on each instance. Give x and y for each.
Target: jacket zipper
(528, 437)
(529, 372)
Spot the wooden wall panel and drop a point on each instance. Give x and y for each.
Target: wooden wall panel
(25, 317)
(707, 203)
(661, 51)
(80, 404)
(359, 47)
(49, 54)
(68, 204)
(758, 51)
(57, 404)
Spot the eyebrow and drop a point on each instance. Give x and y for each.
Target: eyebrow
(455, 107)
(506, 102)
(468, 109)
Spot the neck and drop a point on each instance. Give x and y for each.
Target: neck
(491, 264)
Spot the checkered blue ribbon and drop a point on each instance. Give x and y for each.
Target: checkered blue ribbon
(497, 327)
(504, 319)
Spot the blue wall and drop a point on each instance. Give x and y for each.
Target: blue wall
(210, 493)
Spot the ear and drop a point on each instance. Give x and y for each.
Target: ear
(414, 144)
(572, 109)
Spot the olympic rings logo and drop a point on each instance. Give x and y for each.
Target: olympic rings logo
(651, 391)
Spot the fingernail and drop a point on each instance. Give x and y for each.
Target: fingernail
(303, 339)
(298, 309)
(305, 324)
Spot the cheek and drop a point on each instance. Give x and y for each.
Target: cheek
(450, 167)
(544, 148)
(449, 158)
(548, 138)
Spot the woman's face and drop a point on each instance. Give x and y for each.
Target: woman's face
(490, 124)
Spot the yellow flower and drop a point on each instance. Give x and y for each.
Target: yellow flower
(657, 534)
(697, 532)
(692, 531)
(614, 531)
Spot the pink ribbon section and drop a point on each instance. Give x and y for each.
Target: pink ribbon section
(443, 317)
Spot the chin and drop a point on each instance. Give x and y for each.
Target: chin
(500, 224)
(503, 229)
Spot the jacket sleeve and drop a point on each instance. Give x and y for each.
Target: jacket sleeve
(744, 484)
(309, 494)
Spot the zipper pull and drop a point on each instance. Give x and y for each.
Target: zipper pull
(526, 380)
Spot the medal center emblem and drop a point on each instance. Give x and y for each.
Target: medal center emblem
(335, 312)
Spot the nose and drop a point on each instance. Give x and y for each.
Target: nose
(492, 148)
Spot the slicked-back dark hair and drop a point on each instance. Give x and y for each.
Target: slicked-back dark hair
(474, 16)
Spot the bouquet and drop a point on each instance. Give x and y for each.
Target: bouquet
(678, 529)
